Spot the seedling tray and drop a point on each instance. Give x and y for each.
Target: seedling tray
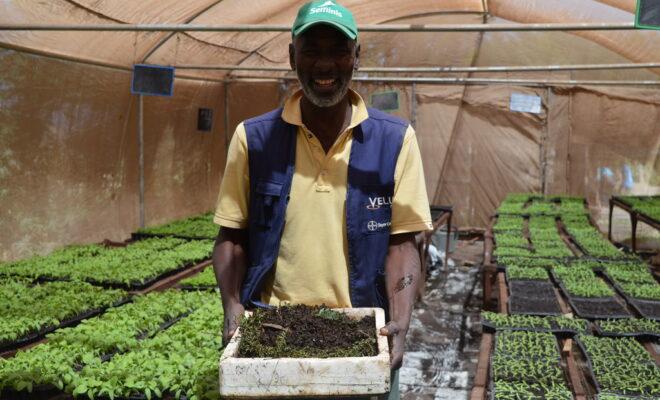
(491, 383)
(135, 286)
(140, 236)
(592, 307)
(592, 377)
(649, 309)
(36, 336)
(532, 297)
(643, 336)
(195, 288)
(249, 378)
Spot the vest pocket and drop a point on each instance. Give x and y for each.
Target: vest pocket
(267, 196)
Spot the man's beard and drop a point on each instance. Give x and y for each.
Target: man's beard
(326, 101)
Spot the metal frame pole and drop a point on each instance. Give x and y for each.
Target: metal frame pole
(287, 28)
(140, 116)
(471, 81)
(442, 69)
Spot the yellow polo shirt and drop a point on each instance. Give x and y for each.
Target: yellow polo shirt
(312, 264)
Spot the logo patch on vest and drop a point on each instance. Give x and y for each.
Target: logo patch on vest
(377, 202)
(373, 226)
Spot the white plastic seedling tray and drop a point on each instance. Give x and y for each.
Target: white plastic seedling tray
(249, 378)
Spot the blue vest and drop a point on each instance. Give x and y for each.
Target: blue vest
(375, 149)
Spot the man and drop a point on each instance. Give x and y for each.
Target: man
(321, 200)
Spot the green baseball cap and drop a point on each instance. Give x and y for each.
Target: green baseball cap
(325, 12)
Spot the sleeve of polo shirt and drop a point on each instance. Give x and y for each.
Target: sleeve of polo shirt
(232, 206)
(410, 205)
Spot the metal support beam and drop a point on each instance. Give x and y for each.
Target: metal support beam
(287, 28)
(443, 69)
(472, 81)
(140, 117)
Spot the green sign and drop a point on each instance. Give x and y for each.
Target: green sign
(648, 14)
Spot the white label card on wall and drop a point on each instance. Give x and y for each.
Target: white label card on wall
(525, 103)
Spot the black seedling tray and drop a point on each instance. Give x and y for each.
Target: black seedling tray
(140, 236)
(643, 336)
(196, 288)
(39, 392)
(593, 379)
(649, 309)
(532, 297)
(36, 336)
(133, 286)
(589, 308)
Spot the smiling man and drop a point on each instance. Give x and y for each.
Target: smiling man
(321, 199)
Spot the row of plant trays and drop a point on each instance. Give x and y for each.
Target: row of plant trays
(593, 307)
(133, 286)
(603, 392)
(33, 337)
(135, 236)
(532, 297)
(646, 308)
(587, 367)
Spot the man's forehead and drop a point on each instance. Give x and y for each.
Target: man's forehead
(323, 33)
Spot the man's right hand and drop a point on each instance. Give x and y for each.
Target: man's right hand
(233, 314)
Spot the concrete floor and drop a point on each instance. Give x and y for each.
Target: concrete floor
(442, 346)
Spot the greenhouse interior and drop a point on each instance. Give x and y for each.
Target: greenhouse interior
(130, 131)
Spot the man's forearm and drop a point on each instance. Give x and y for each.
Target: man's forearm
(229, 263)
(402, 274)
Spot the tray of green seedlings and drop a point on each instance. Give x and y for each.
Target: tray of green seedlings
(527, 365)
(621, 366)
(636, 284)
(509, 223)
(61, 259)
(571, 205)
(542, 207)
(28, 312)
(54, 366)
(590, 241)
(196, 227)
(205, 280)
(133, 267)
(179, 362)
(531, 292)
(545, 238)
(526, 262)
(647, 205)
(511, 239)
(563, 326)
(514, 203)
(589, 296)
(642, 328)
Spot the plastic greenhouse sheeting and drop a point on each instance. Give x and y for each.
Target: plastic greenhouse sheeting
(68, 125)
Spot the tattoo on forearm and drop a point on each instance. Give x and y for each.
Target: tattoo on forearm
(403, 283)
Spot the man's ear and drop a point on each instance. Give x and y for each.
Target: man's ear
(292, 56)
(357, 57)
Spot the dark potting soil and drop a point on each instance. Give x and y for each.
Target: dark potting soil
(533, 306)
(533, 297)
(302, 331)
(647, 308)
(598, 308)
(532, 288)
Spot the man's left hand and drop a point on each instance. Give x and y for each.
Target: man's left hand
(397, 336)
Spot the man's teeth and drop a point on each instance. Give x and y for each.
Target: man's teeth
(324, 81)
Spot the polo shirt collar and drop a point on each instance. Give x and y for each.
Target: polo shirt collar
(293, 115)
